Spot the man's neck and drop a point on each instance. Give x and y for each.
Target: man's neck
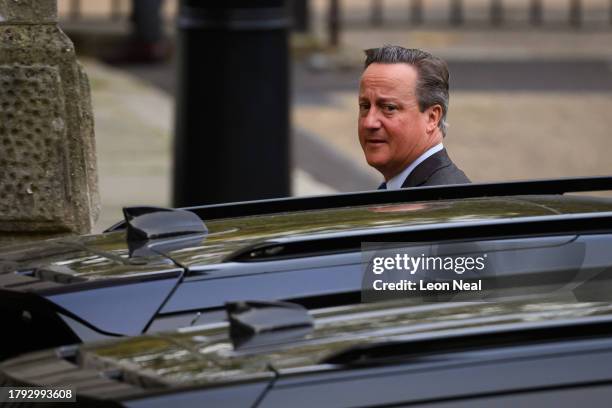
(422, 148)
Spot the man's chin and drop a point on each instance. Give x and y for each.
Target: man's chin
(384, 167)
(378, 163)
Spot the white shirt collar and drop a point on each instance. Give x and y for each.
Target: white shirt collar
(396, 182)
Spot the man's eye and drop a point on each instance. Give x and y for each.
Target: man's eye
(364, 106)
(389, 108)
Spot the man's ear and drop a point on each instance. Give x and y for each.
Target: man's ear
(434, 115)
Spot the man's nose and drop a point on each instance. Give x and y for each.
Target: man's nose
(371, 119)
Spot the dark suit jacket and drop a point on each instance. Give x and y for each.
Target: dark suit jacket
(437, 169)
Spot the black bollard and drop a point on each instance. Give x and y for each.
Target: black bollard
(232, 105)
(301, 16)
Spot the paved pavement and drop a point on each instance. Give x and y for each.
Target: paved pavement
(524, 104)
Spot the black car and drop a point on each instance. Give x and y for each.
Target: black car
(545, 353)
(164, 269)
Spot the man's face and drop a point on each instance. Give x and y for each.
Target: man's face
(392, 131)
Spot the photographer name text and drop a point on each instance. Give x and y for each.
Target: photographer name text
(422, 285)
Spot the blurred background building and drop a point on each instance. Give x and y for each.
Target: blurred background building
(531, 90)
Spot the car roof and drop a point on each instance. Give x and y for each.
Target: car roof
(237, 229)
(205, 356)
(107, 256)
(229, 238)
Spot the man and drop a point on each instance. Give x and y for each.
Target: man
(403, 101)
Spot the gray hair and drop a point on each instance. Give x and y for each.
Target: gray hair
(432, 82)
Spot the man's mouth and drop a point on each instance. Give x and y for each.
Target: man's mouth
(376, 141)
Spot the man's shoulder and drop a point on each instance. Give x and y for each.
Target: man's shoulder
(450, 174)
(437, 169)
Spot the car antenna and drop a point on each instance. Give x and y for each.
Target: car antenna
(256, 323)
(147, 223)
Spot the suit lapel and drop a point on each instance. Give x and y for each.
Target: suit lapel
(424, 170)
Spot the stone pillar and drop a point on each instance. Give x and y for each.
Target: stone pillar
(48, 176)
